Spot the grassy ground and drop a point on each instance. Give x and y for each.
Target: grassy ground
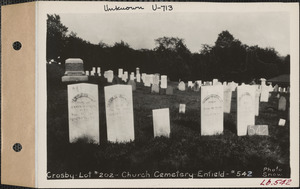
(185, 150)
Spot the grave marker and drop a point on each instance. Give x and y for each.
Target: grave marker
(83, 112)
(181, 86)
(212, 110)
(182, 108)
(163, 82)
(262, 130)
(74, 71)
(169, 90)
(120, 72)
(245, 108)
(282, 103)
(281, 122)
(119, 113)
(161, 122)
(110, 76)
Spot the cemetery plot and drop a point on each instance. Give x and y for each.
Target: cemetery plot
(185, 149)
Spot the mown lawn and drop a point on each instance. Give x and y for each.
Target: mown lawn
(185, 150)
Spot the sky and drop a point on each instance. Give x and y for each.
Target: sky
(270, 29)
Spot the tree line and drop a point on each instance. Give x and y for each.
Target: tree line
(227, 60)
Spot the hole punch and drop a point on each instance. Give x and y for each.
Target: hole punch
(17, 45)
(17, 147)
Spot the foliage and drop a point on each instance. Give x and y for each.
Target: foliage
(228, 59)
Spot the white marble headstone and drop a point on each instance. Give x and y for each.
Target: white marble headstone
(87, 73)
(83, 112)
(245, 108)
(182, 108)
(163, 82)
(161, 122)
(212, 110)
(120, 72)
(110, 76)
(119, 113)
(138, 78)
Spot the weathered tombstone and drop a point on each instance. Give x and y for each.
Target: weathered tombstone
(245, 108)
(257, 96)
(161, 122)
(155, 88)
(280, 89)
(227, 98)
(147, 81)
(196, 86)
(212, 110)
(105, 74)
(138, 78)
(83, 113)
(99, 71)
(190, 84)
(119, 113)
(125, 76)
(262, 130)
(163, 82)
(131, 77)
(110, 76)
(214, 81)
(169, 90)
(199, 82)
(284, 90)
(282, 103)
(281, 122)
(263, 81)
(92, 73)
(151, 76)
(120, 72)
(137, 70)
(265, 90)
(74, 71)
(156, 79)
(181, 86)
(133, 84)
(182, 108)
(87, 73)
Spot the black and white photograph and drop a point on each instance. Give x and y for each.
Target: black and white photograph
(168, 94)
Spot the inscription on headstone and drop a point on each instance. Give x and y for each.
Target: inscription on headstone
(212, 110)
(83, 112)
(119, 113)
(245, 108)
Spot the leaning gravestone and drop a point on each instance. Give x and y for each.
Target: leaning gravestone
(74, 71)
(212, 110)
(282, 103)
(227, 98)
(281, 122)
(169, 90)
(119, 113)
(245, 108)
(258, 130)
(181, 86)
(83, 112)
(161, 122)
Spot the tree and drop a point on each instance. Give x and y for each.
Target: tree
(56, 36)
